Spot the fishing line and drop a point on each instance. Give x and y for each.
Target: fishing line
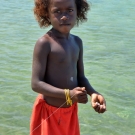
(50, 115)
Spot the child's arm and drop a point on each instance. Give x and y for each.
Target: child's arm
(97, 100)
(41, 51)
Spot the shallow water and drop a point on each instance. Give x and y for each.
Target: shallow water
(109, 58)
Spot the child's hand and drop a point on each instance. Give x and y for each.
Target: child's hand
(79, 95)
(98, 103)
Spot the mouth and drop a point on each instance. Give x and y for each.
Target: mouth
(67, 24)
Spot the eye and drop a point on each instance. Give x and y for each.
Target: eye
(70, 10)
(57, 11)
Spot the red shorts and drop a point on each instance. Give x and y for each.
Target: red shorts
(49, 120)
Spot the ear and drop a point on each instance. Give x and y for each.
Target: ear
(48, 18)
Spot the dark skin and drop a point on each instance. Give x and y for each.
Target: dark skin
(58, 61)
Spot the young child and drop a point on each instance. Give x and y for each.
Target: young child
(58, 71)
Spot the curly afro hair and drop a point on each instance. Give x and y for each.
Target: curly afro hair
(41, 11)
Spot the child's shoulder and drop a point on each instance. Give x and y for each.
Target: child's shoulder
(43, 42)
(44, 39)
(77, 39)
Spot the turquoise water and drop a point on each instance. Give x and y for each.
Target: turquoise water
(109, 58)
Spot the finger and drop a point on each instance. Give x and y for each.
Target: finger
(78, 88)
(103, 106)
(83, 88)
(82, 97)
(83, 92)
(102, 101)
(97, 109)
(96, 106)
(102, 109)
(84, 101)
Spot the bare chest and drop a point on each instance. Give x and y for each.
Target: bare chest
(64, 52)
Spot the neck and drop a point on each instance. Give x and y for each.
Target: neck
(60, 35)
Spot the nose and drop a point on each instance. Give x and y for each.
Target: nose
(64, 18)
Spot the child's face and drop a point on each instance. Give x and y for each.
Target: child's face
(62, 15)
